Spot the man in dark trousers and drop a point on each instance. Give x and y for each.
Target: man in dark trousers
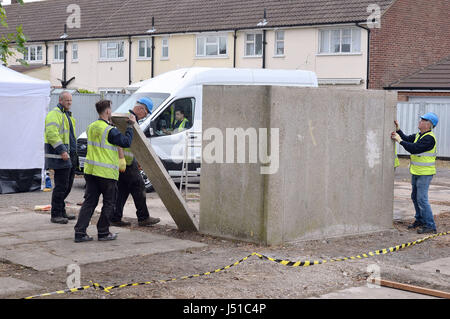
(101, 170)
(130, 180)
(61, 155)
(422, 147)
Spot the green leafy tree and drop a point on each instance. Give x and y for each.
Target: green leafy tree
(7, 38)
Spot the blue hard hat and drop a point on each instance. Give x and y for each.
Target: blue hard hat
(147, 102)
(430, 116)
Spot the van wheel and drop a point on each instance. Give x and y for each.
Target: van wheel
(149, 188)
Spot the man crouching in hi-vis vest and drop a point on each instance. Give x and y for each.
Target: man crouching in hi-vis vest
(422, 167)
(101, 171)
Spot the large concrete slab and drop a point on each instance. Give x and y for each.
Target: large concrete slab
(365, 292)
(162, 182)
(441, 265)
(335, 174)
(30, 239)
(10, 285)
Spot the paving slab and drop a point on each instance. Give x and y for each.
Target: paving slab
(403, 207)
(365, 292)
(10, 285)
(441, 265)
(30, 239)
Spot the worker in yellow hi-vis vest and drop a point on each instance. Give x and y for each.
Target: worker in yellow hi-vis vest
(181, 123)
(61, 155)
(101, 170)
(422, 147)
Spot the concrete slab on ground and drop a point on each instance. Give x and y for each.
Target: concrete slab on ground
(365, 292)
(403, 207)
(10, 285)
(441, 265)
(29, 239)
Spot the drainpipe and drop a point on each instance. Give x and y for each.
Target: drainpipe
(46, 52)
(234, 48)
(264, 50)
(368, 54)
(129, 59)
(153, 57)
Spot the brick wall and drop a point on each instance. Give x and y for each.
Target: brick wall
(413, 35)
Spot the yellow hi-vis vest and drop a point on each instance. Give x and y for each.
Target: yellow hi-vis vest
(57, 130)
(424, 163)
(102, 157)
(128, 156)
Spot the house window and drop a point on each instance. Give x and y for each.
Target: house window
(33, 53)
(74, 51)
(145, 49)
(211, 45)
(165, 48)
(253, 44)
(335, 41)
(279, 43)
(111, 50)
(59, 52)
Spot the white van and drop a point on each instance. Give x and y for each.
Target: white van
(182, 89)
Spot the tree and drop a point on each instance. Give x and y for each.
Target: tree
(17, 37)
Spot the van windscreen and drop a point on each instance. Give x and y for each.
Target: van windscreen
(128, 104)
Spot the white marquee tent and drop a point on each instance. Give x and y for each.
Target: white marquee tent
(23, 106)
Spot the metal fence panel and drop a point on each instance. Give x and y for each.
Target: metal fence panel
(408, 115)
(83, 107)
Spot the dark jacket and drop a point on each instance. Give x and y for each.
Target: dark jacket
(424, 144)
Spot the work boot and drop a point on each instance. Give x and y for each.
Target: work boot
(110, 236)
(426, 230)
(415, 225)
(120, 223)
(59, 220)
(69, 217)
(83, 238)
(149, 221)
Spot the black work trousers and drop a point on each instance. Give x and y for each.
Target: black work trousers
(63, 180)
(96, 186)
(130, 182)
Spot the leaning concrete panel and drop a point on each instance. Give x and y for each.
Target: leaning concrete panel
(335, 174)
(162, 182)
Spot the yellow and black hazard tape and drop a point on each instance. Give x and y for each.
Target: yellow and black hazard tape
(289, 263)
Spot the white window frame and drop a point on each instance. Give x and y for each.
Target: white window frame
(353, 33)
(28, 54)
(59, 49)
(164, 46)
(108, 45)
(276, 41)
(246, 41)
(204, 38)
(148, 49)
(74, 50)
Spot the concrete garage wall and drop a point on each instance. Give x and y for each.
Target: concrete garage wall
(335, 174)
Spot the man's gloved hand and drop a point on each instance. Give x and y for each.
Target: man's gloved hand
(122, 165)
(396, 137)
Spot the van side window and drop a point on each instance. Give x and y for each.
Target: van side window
(177, 117)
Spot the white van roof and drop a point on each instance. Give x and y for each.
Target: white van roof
(174, 80)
